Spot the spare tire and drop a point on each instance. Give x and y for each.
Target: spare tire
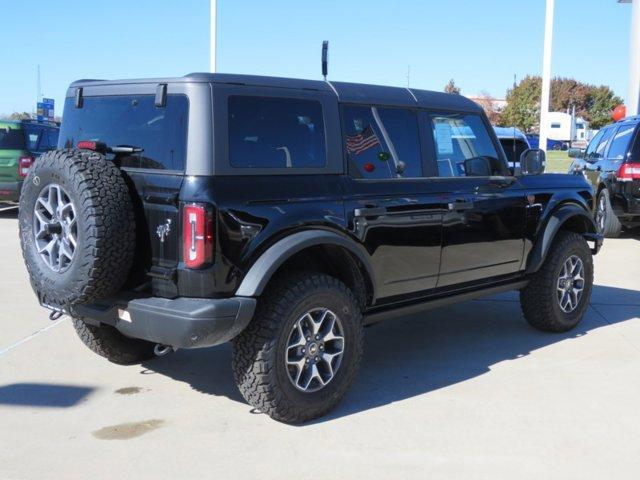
(77, 227)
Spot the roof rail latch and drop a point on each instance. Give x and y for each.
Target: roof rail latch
(161, 95)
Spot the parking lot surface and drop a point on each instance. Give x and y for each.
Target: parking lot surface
(469, 391)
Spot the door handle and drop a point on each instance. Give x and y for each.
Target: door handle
(370, 212)
(460, 205)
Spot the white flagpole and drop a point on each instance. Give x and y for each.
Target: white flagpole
(633, 96)
(213, 33)
(546, 75)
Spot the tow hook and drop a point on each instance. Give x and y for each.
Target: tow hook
(161, 350)
(55, 315)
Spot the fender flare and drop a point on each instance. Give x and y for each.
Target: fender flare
(262, 270)
(555, 222)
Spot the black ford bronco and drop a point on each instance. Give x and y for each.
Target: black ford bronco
(284, 215)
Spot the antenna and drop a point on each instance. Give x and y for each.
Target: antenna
(325, 54)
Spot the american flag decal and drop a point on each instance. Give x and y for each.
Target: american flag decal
(360, 142)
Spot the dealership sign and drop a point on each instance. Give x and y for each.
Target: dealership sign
(46, 110)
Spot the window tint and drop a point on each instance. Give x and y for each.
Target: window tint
(461, 137)
(382, 142)
(267, 132)
(601, 146)
(11, 137)
(40, 138)
(131, 120)
(591, 148)
(620, 142)
(513, 149)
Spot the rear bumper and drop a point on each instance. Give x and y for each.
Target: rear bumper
(181, 322)
(10, 191)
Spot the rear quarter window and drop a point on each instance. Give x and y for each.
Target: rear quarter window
(272, 132)
(131, 120)
(11, 138)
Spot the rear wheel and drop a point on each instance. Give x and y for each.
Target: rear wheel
(300, 354)
(606, 220)
(109, 343)
(558, 294)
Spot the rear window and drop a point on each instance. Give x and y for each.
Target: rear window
(270, 132)
(40, 138)
(131, 120)
(11, 138)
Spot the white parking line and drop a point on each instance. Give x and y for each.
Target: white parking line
(33, 335)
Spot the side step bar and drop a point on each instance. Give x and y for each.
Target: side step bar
(394, 312)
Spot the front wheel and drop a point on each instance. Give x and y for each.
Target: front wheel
(299, 355)
(558, 294)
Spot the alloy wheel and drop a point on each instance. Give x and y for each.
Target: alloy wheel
(314, 350)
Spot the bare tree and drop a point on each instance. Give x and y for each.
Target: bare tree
(451, 87)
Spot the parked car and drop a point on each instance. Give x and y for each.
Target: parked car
(283, 215)
(534, 142)
(514, 143)
(611, 163)
(20, 143)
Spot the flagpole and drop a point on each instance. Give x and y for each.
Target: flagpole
(546, 75)
(213, 34)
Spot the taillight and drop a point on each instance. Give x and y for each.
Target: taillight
(198, 235)
(24, 164)
(628, 172)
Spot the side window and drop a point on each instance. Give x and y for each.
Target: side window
(601, 147)
(381, 142)
(269, 132)
(620, 142)
(462, 137)
(591, 148)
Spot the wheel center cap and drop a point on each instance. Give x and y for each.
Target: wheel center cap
(313, 348)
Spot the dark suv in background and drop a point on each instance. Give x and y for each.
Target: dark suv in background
(21, 142)
(611, 163)
(284, 215)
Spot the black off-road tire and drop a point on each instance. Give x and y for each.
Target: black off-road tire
(109, 343)
(258, 352)
(610, 225)
(105, 227)
(539, 298)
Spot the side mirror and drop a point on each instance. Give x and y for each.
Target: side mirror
(575, 153)
(477, 167)
(532, 161)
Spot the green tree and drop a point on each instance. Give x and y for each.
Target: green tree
(523, 104)
(603, 101)
(451, 87)
(592, 103)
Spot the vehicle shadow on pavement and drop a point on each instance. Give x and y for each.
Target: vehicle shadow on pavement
(9, 214)
(43, 395)
(414, 355)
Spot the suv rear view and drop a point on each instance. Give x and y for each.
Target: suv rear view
(284, 215)
(21, 142)
(611, 163)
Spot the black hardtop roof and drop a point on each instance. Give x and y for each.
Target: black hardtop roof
(346, 92)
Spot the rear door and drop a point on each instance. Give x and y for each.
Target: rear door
(155, 174)
(483, 229)
(391, 207)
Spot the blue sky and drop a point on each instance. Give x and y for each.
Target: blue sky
(481, 44)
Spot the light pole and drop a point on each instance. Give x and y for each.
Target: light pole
(213, 32)
(546, 75)
(633, 92)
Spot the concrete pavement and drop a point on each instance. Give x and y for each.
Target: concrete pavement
(469, 391)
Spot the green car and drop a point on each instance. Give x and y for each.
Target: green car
(21, 142)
